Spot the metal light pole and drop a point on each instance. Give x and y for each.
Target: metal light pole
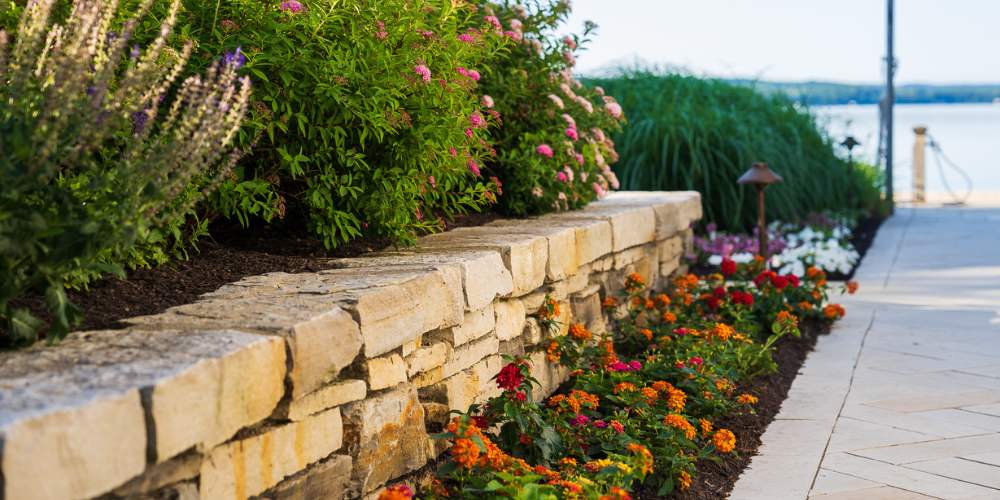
(890, 96)
(760, 177)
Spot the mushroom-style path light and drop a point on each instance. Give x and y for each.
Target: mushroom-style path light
(760, 176)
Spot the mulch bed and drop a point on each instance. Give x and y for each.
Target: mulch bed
(231, 255)
(716, 479)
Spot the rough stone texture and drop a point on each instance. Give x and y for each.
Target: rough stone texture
(386, 371)
(74, 414)
(386, 437)
(509, 319)
(475, 325)
(391, 342)
(330, 478)
(249, 466)
(324, 398)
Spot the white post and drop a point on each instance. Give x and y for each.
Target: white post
(919, 167)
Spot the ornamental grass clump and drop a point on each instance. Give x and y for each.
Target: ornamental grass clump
(103, 150)
(643, 404)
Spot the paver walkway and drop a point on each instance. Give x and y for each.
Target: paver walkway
(902, 400)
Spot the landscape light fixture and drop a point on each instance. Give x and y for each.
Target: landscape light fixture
(850, 143)
(760, 176)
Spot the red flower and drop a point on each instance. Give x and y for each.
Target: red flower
(713, 303)
(481, 422)
(520, 395)
(779, 282)
(719, 292)
(696, 361)
(510, 377)
(793, 280)
(728, 267)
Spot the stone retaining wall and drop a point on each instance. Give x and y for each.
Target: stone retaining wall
(318, 385)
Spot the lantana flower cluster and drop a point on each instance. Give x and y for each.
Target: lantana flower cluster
(645, 396)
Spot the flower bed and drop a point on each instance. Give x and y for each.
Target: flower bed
(640, 411)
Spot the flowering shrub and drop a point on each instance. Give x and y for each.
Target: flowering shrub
(102, 152)
(554, 148)
(368, 117)
(822, 241)
(642, 404)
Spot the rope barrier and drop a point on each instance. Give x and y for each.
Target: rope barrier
(938, 157)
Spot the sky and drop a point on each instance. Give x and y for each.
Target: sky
(937, 41)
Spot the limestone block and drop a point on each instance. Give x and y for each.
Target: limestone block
(428, 358)
(513, 347)
(587, 309)
(329, 478)
(570, 285)
(670, 248)
(631, 225)
(484, 275)
(525, 255)
(324, 398)
(412, 346)
(533, 333)
(675, 210)
(534, 300)
(385, 371)
(563, 260)
(510, 315)
(466, 387)
(465, 356)
(73, 416)
(549, 375)
(247, 467)
(669, 267)
(183, 467)
(476, 324)
(322, 338)
(386, 436)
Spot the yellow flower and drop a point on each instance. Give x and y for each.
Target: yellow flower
(684, 480)
(624, 387)
(676, 399)
(747, 399)
(725, 440)
(706, 426)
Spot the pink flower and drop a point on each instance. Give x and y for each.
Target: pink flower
(635, 364)
(569, 120)
(618, 366)
(426, 33)
(486, 101)
(571, 133)
(617, 426)
(494, 22)
(513, 35)
(381, 33)
(292, 6)
(474, 168)
(568, 57)
(423, 71)
(453, 151)
(569, 172)
(569, 41)
(466, 37)
(545, 150)
(473, 74)
(680, 331)
(557, 101)
(599, 190)
(516, 25)
(580, 419)
(477, 120)
(600, 424)
(579, 159)
(432, 181)
(614, 109)
(562, 177)
(695, 361)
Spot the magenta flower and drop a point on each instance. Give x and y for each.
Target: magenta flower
(545, 150)
(468, 133)
(562, 176)
(618, 366)
(466, 37)
(423, 71)
(432, 181)
(292, 6)
(474, 168)
(473, 74)
(494, 21)
(579, 159)
(600, 424)
(614, 109)
(571, 133)
(635, 365)
(477, 120)
(580, 419)
(453, 151)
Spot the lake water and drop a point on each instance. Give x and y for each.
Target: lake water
(969, 134)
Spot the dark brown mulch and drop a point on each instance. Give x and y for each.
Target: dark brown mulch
(231, 255)
(716, 479)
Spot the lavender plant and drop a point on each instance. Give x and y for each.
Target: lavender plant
(101, 149)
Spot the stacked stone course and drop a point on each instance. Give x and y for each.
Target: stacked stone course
(319, 385)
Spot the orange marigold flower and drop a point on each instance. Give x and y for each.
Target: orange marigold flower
(634, 282)
(465, 453)
(852, 286)
(680, 423)
(650, 394)
(549, 309)
(676, 399)
(662, 386)
(816, 295)
(616, 493)
(555, 400)
(691, 279)
(642, 451)
(568, 462)
(609, 302)
(725, 440)
(821, 282)
(552, 352)
(833, 311)
(646, 332)
(813, 272)
(569, 486)
(722, 331)
(805, 306)
(663, 300)
(706, 426)
(397, 492)
(788, 318)
(579, 332)
(585, 398)
(746, 399)
(688, 299)
(724, 385)
(684, 480)
(649, 304)
(669, 317)
(624, 387)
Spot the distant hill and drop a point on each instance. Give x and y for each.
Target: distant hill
(822, 93)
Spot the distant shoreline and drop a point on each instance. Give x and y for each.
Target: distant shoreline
(830, 94)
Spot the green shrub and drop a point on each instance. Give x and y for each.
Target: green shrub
(102, 152)
(366, 114)
(702, 134)
(552, 149)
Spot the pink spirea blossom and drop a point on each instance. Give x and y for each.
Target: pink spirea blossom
(514, 35)
(579, 159)
(569, 120)
(561, 176)
(516, 25)
(581, 419)
(474, 75)
(453, 151)
(423, 71)
(486, 101)
(557, 101)
(381, 34)
(477, 120)
(545, 150)
(494, 21)
(474, 168)
(432, 181)
(614, 109)
(569, 41)
(599, 190)
(292, 6)
(466, 37)
(468, 133)
(571, 133)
